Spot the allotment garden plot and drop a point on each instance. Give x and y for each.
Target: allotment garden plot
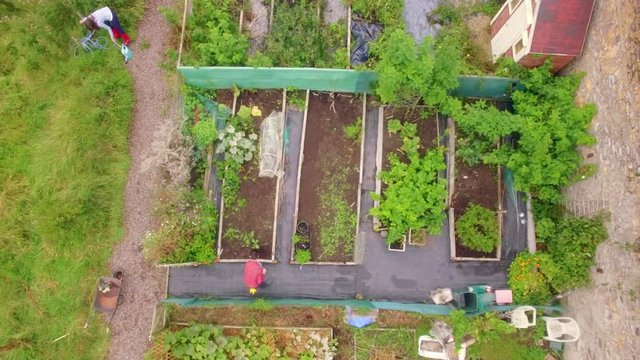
(248, 207)
(411, 188)
(476, 207)
(330, 176)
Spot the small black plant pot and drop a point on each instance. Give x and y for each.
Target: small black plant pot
(302, 228)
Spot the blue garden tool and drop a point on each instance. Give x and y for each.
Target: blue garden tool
(127, 53)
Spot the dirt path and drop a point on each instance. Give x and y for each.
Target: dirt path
(609, 310)
(155, 106)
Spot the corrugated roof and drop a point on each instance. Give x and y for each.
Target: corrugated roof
(561, 26)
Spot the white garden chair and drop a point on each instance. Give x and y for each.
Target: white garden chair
(561, 329)
(523, 317)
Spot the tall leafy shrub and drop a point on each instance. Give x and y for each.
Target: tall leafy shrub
(214, 35)
(409, 74)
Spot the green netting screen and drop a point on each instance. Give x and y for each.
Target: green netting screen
(425, 309)
(340, 80)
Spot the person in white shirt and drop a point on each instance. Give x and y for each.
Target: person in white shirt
(107, 19)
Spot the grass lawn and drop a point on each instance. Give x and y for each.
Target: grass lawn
(63, 165)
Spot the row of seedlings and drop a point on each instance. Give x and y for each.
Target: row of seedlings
(329, 181)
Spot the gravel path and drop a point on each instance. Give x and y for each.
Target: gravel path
(609, 310)
(154, 106)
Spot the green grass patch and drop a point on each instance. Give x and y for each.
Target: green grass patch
(63, 165)
(385, 344)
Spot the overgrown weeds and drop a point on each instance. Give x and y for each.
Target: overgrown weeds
(188, 223)
(299, 38)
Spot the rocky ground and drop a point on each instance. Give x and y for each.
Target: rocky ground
(609, 310)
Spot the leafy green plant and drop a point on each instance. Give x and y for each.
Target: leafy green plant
(455, 30)
(259, 60)
(247, 239)
(481, 127)
(526, 280)
(298, 37)
(204, 133)
(386, 12)
(477, 229)
(296, 98)
(261, 304)
(353, 131)
(302, 256)
(487, 328)
(415, 195)
(214, 37)
(573, 248)
(410, 74)
(188, 223)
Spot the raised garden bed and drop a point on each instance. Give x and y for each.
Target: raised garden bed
(428, 131)
(279, 342)
(378, 344)
(329, 181)
(255, 218)
(479, 185)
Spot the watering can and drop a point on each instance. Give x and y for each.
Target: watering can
(127, 53)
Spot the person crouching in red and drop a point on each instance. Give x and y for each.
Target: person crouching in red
(254, 273)
(107, 19)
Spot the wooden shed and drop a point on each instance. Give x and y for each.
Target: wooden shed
(530, 31)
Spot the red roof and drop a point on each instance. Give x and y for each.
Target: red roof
(561, 26)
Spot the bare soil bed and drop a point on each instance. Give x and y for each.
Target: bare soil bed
(257, 215)
(477, 185)
(330, 166)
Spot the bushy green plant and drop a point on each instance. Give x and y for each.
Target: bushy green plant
(298, 37)
(573, 248)
(302, 256)
(214, 37)
(204, 132)
(477, 229)
(353, 131)
(486, 329)
(188, 223)
(409, 74)
(481, 127)
(261, 304)
(415, 195)
(456, 32)
(236, 145)
(549, 127)
(259, 60)
(247, 239)
(386, 12)
(526, 280)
